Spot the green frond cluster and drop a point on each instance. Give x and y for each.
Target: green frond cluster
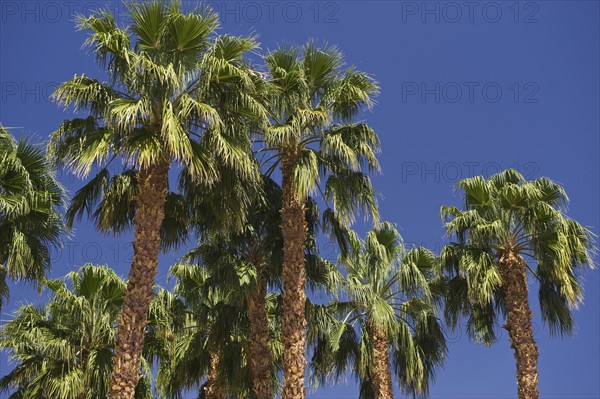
(30, 199)
(313, 103)
(508, 213)
(215, 324)
(391, 288)
(169, 77)
(63, 350)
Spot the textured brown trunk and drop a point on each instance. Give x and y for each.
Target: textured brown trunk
(212, 389)
(150, 205)
(380, 373)
(293, 324)
(260, 353)
(518, 324)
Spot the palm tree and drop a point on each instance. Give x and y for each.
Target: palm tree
(313, 137)
(29, 221)
(212, 349)
(174, 97)
(63, 349)
(390, 304)
(508, 226)
(258, 248)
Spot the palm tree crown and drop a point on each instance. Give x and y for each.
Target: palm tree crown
(30, 226)
(63, 350)
(389, 309)
(171, 95)
(506, 212)
(314, 104)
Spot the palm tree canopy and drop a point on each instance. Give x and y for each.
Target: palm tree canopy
(63, 350)
(394, 289)
(175, 90)
(508, 213)
(30, 198)
(313, 105)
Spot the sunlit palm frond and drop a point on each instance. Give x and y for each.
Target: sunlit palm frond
(63, 350)
(30, 199)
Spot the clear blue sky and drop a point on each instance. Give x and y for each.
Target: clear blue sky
(467, 88)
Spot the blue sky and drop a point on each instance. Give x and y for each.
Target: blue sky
(467, 88)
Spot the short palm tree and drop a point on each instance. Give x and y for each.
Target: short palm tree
(63, 350)
(313, 137)
(507, 227)
(30, 225)
(389, 309)
(175, 97)
(257, 249)
(213, 348)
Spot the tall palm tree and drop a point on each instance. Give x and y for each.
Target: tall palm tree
(390, 302)
(313, 137)
(507, 227)
(30, 225)
(174, 97)
(63, 349)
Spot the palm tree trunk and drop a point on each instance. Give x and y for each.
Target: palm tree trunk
(150, 205)
(380, 374)
(518, 324)
(212, 389)
(293, 324)
(260, 353)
